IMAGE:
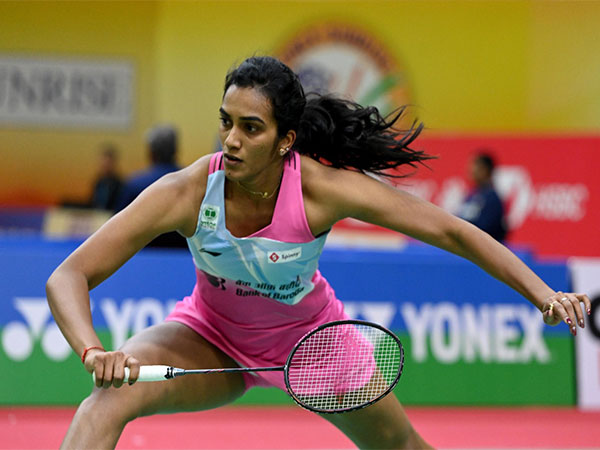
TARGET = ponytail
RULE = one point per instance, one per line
(346, 135)
(331, 130)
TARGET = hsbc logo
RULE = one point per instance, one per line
(554, 202)
(285, 256)
(523, 199)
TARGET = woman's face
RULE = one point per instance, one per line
(248, 133)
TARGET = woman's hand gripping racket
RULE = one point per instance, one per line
(337, 367)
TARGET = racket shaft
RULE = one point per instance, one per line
(233, 370)
(162, 373)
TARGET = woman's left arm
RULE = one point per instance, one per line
(351, 194)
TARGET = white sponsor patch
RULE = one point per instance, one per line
(209, 216)
(285, 256)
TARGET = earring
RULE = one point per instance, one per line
(283, 151)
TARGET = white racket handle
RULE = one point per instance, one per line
(147, 373)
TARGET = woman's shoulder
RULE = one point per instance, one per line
(199, 168)
(314, 171)
(185, 190)
(320, 177)
(190, 177)
(185, 186)
(326, 192)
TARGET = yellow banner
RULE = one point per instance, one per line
(466, 67)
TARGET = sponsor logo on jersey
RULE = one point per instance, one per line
(285, 256)
(209, 216)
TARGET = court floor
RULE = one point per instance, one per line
(290, 427)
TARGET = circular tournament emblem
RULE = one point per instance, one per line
(347, 61)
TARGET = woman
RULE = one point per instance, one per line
(256, 217)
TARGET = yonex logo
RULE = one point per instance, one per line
(19, 338)
(285, 256)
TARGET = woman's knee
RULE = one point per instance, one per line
(107, 406)
(382, 425)
(174, 344)
(402, 435)
(380, 435)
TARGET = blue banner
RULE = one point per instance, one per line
(448, 312)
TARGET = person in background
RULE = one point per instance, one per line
(483, 206)
(161, 141)
(108, 183)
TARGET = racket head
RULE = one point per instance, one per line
(343, 366)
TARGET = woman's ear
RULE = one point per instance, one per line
(286, 143)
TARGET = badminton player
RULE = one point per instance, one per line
(256, 217)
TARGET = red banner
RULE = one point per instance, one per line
(549, 185)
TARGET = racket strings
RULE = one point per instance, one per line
(344, 366)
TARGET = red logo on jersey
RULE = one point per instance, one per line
(274, 257)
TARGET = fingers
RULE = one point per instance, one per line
(566, 307)
(98, 373)
(134, 369)
(108, 373)
(550, 311)
(548, 314)
(109, 369)
(583, 298)
(118, 368)
(573, 308)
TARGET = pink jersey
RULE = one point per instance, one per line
(256, 296)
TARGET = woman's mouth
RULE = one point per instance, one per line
(231, 160)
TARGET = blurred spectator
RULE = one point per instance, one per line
(161, 142)
(108, 182)
(483, 206)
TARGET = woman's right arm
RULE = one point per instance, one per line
(169, 204)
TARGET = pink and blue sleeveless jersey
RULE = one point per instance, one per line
(256, 296)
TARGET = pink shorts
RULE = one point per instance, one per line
(250, 347)
(184, 312)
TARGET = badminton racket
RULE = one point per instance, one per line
(337, 367)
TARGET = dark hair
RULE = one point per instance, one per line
(332, 130)
(162, 142)
(109, 150)
(486, 160)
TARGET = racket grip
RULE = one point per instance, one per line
(150, 373)
(147, 373)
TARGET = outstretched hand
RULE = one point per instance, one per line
(109, 367)
(566, 307)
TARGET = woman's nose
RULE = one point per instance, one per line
(232, 140)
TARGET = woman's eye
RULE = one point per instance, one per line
(224, 121)
(251, 128)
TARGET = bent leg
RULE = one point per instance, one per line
(383, 425)
(101, 417)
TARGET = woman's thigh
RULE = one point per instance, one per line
(175, 344)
